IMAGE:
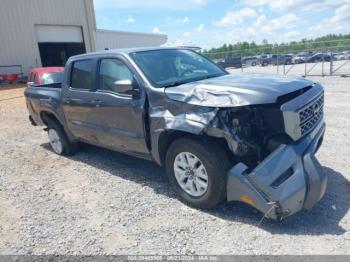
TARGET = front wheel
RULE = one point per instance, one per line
(197, 172)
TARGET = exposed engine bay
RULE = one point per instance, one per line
(250, 131)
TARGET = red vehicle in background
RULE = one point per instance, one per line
(45, 75)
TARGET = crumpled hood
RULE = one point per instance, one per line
(238, 89)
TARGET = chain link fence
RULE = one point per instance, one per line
(326, 58)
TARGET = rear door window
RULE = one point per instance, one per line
(81, 77)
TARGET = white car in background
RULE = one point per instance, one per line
(343, 56)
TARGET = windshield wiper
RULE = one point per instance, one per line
(211, 76)
(177, 83)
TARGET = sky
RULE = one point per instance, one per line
(211, 23)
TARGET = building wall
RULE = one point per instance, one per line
(120, 39)
(18, 38)
(116, 39)
(18, 42)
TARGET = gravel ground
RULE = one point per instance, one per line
(102, 202)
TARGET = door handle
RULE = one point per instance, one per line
(69, 100)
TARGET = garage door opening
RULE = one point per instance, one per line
(59, 42)
(57, 54)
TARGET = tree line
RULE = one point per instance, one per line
(327, 43)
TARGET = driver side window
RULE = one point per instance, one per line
(188, 69)
(112, 70)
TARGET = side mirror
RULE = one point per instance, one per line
(126, 87)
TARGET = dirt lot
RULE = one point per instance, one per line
(100, 202)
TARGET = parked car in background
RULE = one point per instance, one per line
(288, 59)
(230, 62)
(319, 57)
(219, 136)
(342, 55)
(250, 61)
(281, 59)
(338, 56)
(264, 60)
(301, 57)
(45, 75)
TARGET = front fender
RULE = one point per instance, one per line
(191, 120)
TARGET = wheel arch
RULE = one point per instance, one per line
(48, 116)
(167, 137)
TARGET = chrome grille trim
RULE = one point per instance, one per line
(299, 113)
(310, 115)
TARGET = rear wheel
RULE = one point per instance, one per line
(55, 141)
(197, 172)
(59, 141)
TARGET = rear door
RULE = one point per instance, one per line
(118, 118)
(77, 95)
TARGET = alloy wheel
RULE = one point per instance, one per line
(190, 174)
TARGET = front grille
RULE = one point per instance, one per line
(311, 114)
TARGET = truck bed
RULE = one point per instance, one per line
(53, 85)
(43, 98)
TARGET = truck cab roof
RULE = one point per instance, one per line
(124, 51)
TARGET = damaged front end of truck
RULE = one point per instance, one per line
(276, 169)
(273, 144)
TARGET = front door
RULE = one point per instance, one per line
(118, 118)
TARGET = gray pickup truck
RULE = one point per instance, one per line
(220, 136)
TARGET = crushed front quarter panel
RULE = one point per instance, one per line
(192, 120)
(169, 115)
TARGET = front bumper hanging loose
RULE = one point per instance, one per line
(287, 181)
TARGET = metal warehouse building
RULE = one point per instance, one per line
(36, 33)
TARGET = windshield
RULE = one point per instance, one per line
(171, 67)
(51, 78)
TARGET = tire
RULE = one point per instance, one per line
(215, 163)
(59, 141)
